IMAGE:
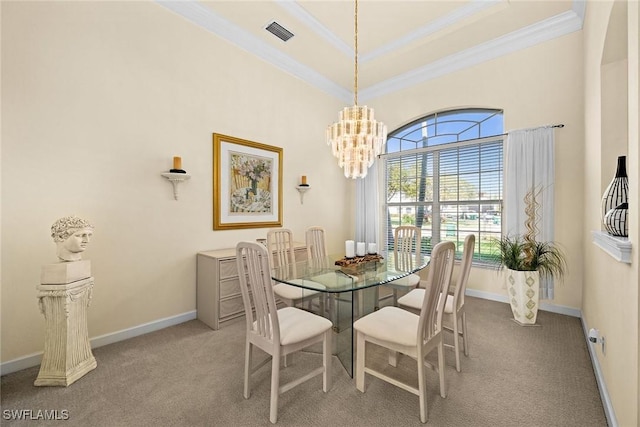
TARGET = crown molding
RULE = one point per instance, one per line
(459, 14)
(579, 7)
(432, 27)
(208, 20)
(306, 18)
(548, 29)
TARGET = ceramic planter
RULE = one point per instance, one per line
(522, 287)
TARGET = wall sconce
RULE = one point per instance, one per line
(176, 175)
(302, 188)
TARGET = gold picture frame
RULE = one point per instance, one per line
(247, 184)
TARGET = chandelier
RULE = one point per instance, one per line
(356, 138)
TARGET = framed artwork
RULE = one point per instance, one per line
(247, 184)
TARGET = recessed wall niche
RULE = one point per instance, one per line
(614, 110)
(614, 91)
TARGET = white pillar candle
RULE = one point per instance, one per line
(349, 248)
(372, 248)
(360, 249)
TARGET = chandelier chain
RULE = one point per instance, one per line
(356, 138)
(355, 72)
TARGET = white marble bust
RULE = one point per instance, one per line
(71, 235)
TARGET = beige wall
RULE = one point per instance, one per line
(96, 99)
(536, 86)
(611, 288)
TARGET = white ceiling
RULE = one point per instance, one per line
(400, 43)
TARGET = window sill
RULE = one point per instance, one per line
(618, 247)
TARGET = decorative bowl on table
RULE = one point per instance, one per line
(359, 264)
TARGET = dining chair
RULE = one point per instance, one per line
(454, 318)
(317, 256)
(277, 332)
(406, 254)
(404, 332)
(316, 243)
(282, 258)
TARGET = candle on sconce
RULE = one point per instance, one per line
(177, 165)
(303, 181)
(349, 249)
(360, 249)
(373, 248)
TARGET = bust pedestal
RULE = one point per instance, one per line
(67, 352)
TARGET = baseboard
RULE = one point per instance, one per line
(36, 358)
(545, 306)
(602, 386)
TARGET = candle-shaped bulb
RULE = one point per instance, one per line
(304, 180)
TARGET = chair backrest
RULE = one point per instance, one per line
(465, 267)
(280, 251)
(440, 269)
(316, 244)
(406, 247)
(255, 284)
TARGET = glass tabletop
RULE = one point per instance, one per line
(352, 275)
(350, 290)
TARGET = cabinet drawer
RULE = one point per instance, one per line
(231, 306)
(300, 254)
(218, 296)
(230, 287)
(228, 268)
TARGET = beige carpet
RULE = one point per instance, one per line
(190, 375)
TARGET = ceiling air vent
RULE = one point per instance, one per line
(279, 31)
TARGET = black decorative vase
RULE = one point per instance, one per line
(616, 221)
(617, 192)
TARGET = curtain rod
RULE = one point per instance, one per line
(559, 125)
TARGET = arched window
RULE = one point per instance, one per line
(443, 173)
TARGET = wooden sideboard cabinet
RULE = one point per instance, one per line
(218, 296)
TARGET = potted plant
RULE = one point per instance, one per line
(525, 260)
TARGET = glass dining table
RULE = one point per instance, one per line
(346, 292)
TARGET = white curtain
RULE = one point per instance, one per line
(368, 207)
(529, 164)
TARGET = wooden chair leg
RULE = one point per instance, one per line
(275, 386)
(248, 351)
(360, 356)
(322, 304)
(443, 391)
(456, 340)
(465, 342)
(422, 390)
(393, 358)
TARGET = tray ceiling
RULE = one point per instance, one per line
(400, 43)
